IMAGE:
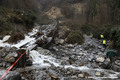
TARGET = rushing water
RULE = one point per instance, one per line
(49, 61)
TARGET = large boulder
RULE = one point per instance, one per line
(6, 38)
(100, 59)
(11, 57)
(28, 62)
(98, 73)
(106, 64)
(116, 66)
(81, 75)
(43, 51)
(59, 41)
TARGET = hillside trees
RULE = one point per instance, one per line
(114, 7)
(91, 10)
(67, 11)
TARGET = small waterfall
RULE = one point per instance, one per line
(47, 61)
(42, 60)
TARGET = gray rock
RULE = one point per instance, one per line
(81, 75)
(93, 52)
(8, 65)
(66, 62)
(10, 59)
(119, 76)
(13, 54)
(59, 41)
(3, 55)
(94, 65)
(74, 77)
(23, 78)
(1, 65)
(100, 59)
(5, 38)
(98, 73)
(102, 49)
(91, 58)
(117, 62)
(11, 75)
(116, 68)
(43, 51)
(28, 62)
(99, 47)
(70, 46)
(106, 65)
(68, 72)
(7, 49)
(13, 48)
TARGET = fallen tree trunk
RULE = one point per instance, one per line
(53, 36)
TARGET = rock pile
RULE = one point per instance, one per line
(116, 65)
(12, 75)
(7, 56)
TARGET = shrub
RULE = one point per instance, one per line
(16, 37)
(86, 28)
(90, 28)
(16, 19)
(97, 30)
(75, 37)
(29, 19)
(115, 36)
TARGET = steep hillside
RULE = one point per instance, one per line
(54, 12)
(15, 21)
(21, 4)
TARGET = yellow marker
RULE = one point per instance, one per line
(104, 41)
(102, 36)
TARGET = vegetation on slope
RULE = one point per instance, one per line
(15, 21)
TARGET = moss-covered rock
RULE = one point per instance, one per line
(75, 37)
(16, 37)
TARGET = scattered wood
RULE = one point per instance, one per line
(53, 77)
(53, 36)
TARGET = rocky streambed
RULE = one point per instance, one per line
(70, 62)
(62, 62)
(67, 62)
